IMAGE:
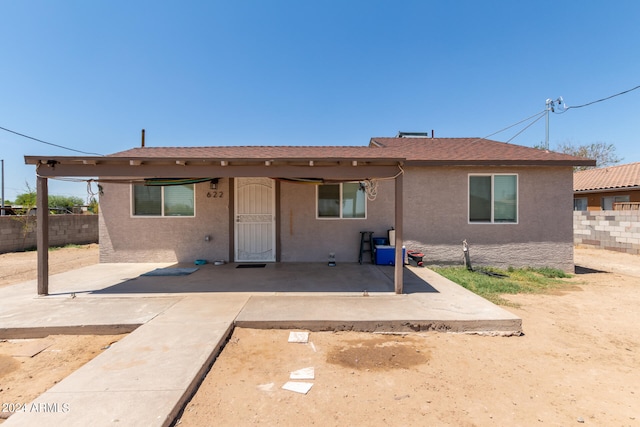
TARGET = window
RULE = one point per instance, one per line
(493, 198)
(176, 200)
(346, 200)
(580, 204)
(608, 202)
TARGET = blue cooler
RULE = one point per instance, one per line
(386, 255)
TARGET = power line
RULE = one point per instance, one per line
(603, 99)
(515, 124)
(525, 128)
(49, 143)
(537, 115)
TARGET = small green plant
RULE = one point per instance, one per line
(69, 246)
(27, 217)
(552, 273)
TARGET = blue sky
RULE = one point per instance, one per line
(90, 75)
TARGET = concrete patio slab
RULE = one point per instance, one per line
(39, 317)
(298, 278)
(447, 307)
(145, 378)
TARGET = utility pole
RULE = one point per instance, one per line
(2, 206)
(550, 103)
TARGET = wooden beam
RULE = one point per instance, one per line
(207, 171)
(399, 259)
(42, 235)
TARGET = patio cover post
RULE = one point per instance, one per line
(399, 259)
(42, 235)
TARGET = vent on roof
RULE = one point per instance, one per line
(414, 134)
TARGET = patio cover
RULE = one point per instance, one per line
(291, 162)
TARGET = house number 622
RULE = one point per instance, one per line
(215, 194)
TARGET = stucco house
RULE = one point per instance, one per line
(610, 188)
(512, 204)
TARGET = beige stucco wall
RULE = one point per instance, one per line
(435, 222)
(124, 238)
(436, 218)
(302, 237)
(305, 238)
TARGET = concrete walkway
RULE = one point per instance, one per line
(145, 378)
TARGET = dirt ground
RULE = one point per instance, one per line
(576, 364)
(29, 367)
(16, 267)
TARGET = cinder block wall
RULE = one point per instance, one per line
(611, 230)
(18, 233)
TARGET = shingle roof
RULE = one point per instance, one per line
(417, 150)
(473, 150)
(623, 176)
(255, 152)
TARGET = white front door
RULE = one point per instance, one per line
(255, 231)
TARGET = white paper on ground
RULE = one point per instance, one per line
(302, 337)
(298, 387)
(303, 374)
(266, 387)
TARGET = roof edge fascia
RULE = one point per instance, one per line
(608, 190)
(35, 160)
(553, 163)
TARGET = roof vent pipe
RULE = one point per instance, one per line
(432, 134)
(142, 138)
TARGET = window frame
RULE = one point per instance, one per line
(614, 200)
(162, 203)
(581, 199)
(340, 203)
(493, 221)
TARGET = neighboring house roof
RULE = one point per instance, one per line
(609, 178)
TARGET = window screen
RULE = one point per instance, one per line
(147, 201)
(493, 198)
(176, 200)
(505, 198)
(353, 200)
(480, 198)
(329, 201)
(346, 200)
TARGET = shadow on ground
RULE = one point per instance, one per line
(278, 278)
(585, 270)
